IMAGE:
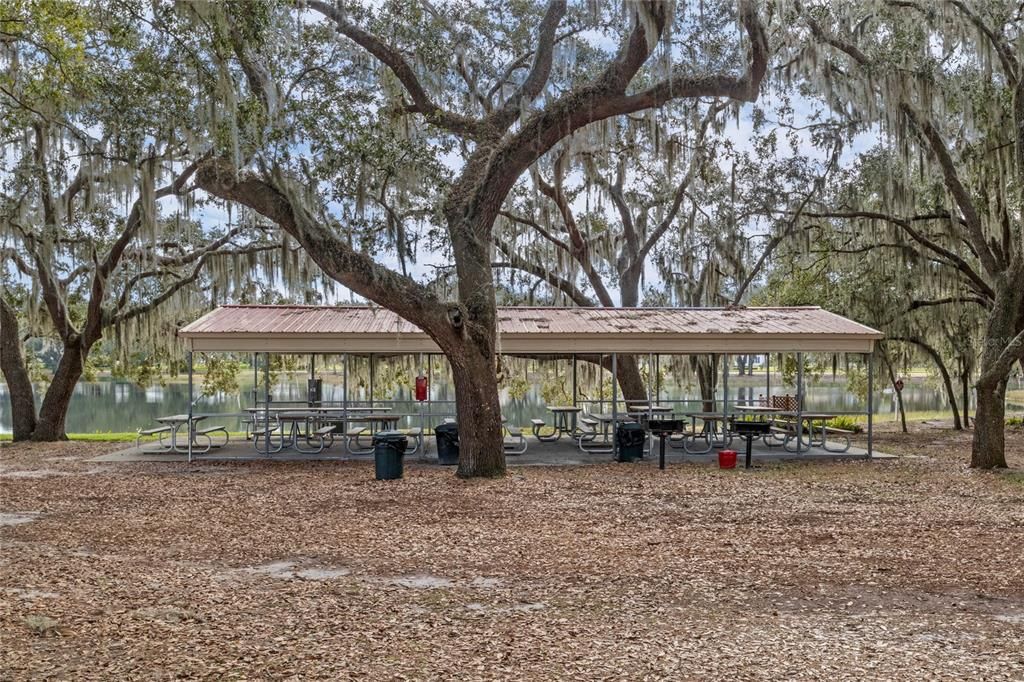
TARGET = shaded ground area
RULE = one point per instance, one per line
(851, 570)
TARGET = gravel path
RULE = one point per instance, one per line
(906, 570)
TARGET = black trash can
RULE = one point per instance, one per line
(630, 437)
(388, 451)
(447, 435)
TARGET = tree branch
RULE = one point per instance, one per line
(1003, 49)
(677, 200)
(276, 199)
(421, 101)
(514, 260)
(916, 304)
(606, 96)
(955, 260)
(1000, 367)
(580, 249)
(538, 228)
(540, 71)
(960, 194)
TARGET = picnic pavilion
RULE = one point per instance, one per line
(536, 332)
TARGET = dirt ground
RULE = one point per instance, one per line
(911, 569)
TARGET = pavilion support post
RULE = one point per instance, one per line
(869, 360)
(615, 398)
(371, 380)
(650, 399)
(423, 433)
(725, 388)
(266, 404)
(650, 382)
(188, 360)
(256, 379)
(657, 378)
(799, 400)
(312, 376)
(344, 383)
(574, 390)
(768, 378)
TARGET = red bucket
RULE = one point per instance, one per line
(727, 459)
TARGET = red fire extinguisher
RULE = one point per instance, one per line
(421, 388)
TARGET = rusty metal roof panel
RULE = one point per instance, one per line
(541, 329)
(284, 319)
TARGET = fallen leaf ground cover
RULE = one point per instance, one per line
(909, 569)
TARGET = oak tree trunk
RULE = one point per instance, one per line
(628, 375)
(899, 393)
(950, 392)
(989, 442)
(707, 378)
(1005, 323)
(965, 388)
(473, 356)
(19, 385)
(631, 383)
(481, 450)
(947, 382)
(54, 409)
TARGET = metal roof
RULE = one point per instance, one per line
(534, 330)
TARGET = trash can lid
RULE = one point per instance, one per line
(446, 427)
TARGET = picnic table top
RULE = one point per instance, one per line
(608, 417)
(300, 408)
(350, 416)
(179, 418)
(758, 408)
(565, 408)
(652, 408)
(707, 416)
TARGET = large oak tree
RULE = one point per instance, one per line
(501, 88)
(945, 83)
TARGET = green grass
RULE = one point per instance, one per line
(1015, 477)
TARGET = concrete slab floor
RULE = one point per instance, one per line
(560, 453)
